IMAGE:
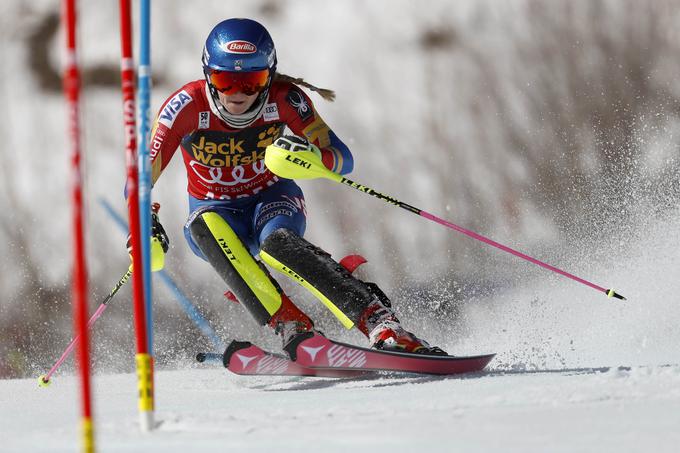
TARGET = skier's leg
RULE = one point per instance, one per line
(353, 301)
(313, 268)
(212, 236)
(384, 330)
(281, 206)
(280, 221)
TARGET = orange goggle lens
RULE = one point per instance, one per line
(248, 83)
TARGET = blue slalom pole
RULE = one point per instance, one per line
(192, 312)
(144, 165)
(189, 308)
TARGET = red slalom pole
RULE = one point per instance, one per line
(142, 358)
(79, 288)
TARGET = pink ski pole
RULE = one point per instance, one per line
(477, 236)
(44, 380)
(283, 161)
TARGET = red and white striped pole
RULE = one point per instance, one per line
(143, 358)
(72, 94)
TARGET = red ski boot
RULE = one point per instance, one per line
(384, 331)
(289, 321)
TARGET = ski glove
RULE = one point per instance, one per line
(159, 241)
(295, 143)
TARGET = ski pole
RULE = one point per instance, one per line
(209, 357)
(44, 380)
(188, 307)
(306, 165)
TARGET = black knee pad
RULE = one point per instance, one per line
(316, 266)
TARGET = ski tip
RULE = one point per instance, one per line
(611, 293)
(43, 381)
(200, 357)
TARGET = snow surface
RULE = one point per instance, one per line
(574, 372)
(616, 409)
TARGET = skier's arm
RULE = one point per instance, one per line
(159, 241)
(163, 143)
(160, 157)
(335, 155)
(168, 129)
(175, 119)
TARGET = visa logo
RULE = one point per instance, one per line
(173, 107)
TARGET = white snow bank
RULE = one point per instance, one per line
(579, 410)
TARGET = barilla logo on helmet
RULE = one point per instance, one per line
(240, 47)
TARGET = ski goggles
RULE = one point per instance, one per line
(248, 83)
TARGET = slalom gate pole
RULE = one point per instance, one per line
(188, 307)
(306, 165)
(79, 288)
(44, 380)
(192, 312)
(142, 358)
(143, 97)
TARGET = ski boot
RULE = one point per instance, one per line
(292, 324)
(384, 331)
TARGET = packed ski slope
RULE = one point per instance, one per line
(575, 372)
(574, 410)
(571, 375)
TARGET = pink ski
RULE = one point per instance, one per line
(247, 359)
(319, 353)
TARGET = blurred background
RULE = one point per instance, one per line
(551, 126)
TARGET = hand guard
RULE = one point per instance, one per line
(295, 143)
(159, 241)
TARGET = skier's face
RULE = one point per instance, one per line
(237, 103)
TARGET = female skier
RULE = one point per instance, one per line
(238, 208)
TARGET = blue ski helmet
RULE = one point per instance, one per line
(239, 45)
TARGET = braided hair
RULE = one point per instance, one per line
(327, 94)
